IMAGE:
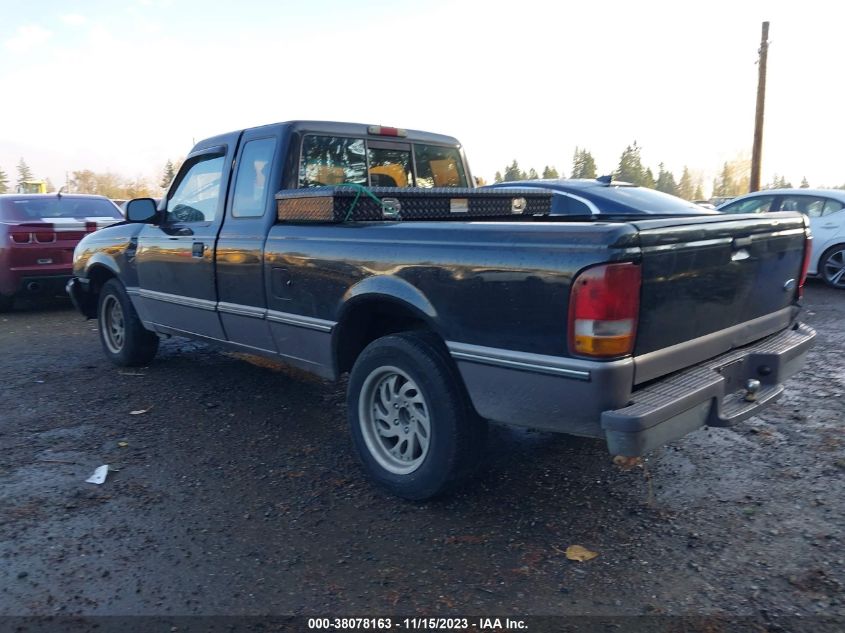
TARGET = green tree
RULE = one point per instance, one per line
(532, 174)
(698, 194)
(778, 182)
(24, 172)
(804, 183)
(666, 180)
(168, 175)
(4, 181)
(648, 179)
(498, 177)
(583, 164)
(686, 186)
(550, 172)
(513, 172)
(631, 166)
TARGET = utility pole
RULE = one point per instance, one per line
(757, 149)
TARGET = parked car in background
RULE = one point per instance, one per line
(826, 210)
(38, 233)
(591, 198)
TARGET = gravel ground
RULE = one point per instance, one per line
(237, 493)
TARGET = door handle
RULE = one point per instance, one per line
(198, 249)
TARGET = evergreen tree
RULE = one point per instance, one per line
(532, 174)
(583, 164)
(698, 194)
(24, 172)
(631, 166)
(666, 180)
(804, 183)
(513, 172)
(4, 181)
(498, 177)
(550, 172)
(648, 179)
(778, 182)
(685, 186)
(168, 175)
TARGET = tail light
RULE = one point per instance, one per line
(603, 309)
(20, 237)
(805, 265)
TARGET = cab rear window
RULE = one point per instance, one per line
(333, 160)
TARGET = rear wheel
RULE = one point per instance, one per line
(411, 423)
(832, 267)
(126, 342)
(6, 303)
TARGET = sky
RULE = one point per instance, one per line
(123, 86)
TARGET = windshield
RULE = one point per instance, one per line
(332, 160)
(34, 209)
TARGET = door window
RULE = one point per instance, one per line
(809, 205)
(251, 185)
(759, 204)
(197, 195)
(832, 206)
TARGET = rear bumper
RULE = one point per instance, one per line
(38, 285)
(711, 393)
(595, 399)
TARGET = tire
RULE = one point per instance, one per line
(832, 267)
(126, 342)
(405, 386)
(6, 303)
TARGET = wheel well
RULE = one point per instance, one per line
(99, 275)
(369, 320)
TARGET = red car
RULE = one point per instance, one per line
(38, 233)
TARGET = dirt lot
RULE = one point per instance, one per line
(237, 494)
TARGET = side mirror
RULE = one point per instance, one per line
(141, 210)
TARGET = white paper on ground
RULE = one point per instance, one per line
(99, 475)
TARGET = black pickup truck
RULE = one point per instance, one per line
(637, 330)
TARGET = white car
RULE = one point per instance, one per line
(826, 210)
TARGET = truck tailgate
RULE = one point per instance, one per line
(712, 284)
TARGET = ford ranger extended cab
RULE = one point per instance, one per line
(346, 248)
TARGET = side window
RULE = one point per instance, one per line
(832, 206)
(332, 160)
(809, 205)
(198, 193)
(760, 204)
(251, 185)
(439, 166)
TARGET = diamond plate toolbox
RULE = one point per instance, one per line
(346, 203)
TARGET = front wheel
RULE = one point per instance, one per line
(832, 267)
(411, 423)
(126, 342)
